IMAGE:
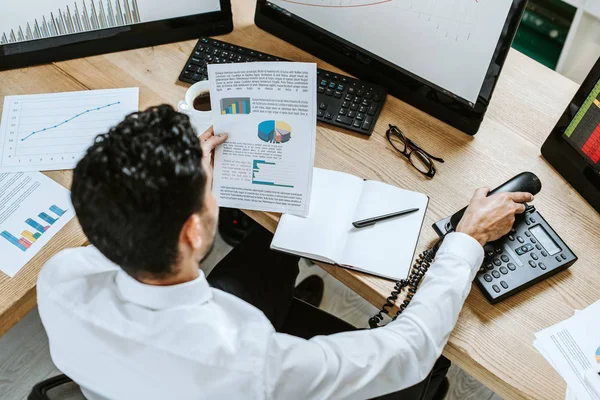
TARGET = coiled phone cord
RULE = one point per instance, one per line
(417, 273)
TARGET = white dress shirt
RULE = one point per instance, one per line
(120, 339)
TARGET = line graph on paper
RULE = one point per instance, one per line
(53, 131)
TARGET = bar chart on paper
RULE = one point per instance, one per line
(33, 209)
(272, 174)
(53, 131)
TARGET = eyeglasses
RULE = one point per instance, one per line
(419, 158)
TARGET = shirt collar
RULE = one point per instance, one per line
(163, 297)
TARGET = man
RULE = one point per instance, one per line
(133, 317)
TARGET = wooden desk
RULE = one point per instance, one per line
(492, 343)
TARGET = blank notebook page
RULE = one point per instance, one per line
(386, 248)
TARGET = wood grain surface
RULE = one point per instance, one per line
(492, 343)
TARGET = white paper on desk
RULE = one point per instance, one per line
(269, 112)
(47, 132)
(570, 346)
(33, 208)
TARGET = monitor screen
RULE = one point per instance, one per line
(31, 20)
(448, 44)
(583, 132)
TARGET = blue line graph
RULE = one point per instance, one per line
(69, 120)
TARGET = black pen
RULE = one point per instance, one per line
(372, 221)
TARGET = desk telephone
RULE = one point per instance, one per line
(530, 252)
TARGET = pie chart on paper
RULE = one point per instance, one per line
(272, 131)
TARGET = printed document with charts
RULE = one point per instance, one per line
(269, 111)
(385, 249)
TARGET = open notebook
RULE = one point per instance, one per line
(326, 234)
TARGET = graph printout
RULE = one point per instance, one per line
(53, 131)
(449, 43)
(33, 208)
(269, 111)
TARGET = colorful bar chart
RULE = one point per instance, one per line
(235, 106)
(28, 238)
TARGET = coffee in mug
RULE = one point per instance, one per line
(202, 101)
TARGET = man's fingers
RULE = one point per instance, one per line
(481, 193)
(519, 208)
(520, 197)
(207, 134)
(210, 144)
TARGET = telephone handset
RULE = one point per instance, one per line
(530, 252)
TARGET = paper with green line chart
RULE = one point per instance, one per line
(269, 112)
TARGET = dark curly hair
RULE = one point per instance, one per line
(136, 186)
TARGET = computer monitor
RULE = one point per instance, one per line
(573, 147)
(39, 31)
(442, 56)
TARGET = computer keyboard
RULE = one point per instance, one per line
(342, 101)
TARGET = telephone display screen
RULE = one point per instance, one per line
(583, 132)
(545, 240)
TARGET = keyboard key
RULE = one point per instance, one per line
(356, 99)
(337, 94)
(496, 274)
(321, 89)
(320, 113)
(331, 85)
(356, 124)
(352, 114)
(505, 258)
(366, 125)
(563, 256)
(343, 111)
(534, 256)
(360, 117)
(504, 284)
(537, 246)
(503, 270)
(188, 74)
(533, 240)
(329, 92)
(497, 262)
(499, 250)
(496, 288)
(362, 109)
(511, 238)
(511, 266)
(345, 104)
(348, 97)
(343, 120)
(489, 266)
(323, 106)
(527, 234)
(328, 115)
(344, 79)
(487, 278)
(197, 77)
(360, 92)
(232, 56)
(544, 254)
(354, 106)
(558, 259)
(377, 97)
(225, 54)
(368, 95)
(351, 90)
(340, 88)
(204, 40)
(216, 52)
(520, 239)
(372, 110)
(327, 74)
(519, 251)
(337, 78)
(324, 82)
(532, 263)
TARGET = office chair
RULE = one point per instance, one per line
(60, 387)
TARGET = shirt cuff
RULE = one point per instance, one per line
(464, 247)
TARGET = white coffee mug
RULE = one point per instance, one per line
(201, 120)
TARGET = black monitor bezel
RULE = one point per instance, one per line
(401, 83)
(60, 48)
(564, 157)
